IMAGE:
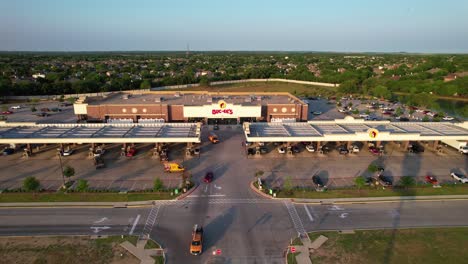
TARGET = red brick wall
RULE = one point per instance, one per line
(176, 112)
(132, 111)
(291, 111)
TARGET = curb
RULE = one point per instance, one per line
(260, 192)
(182, 196)
(389, 199)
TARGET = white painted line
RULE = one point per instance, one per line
(218, 187)
(101, 220)
(210, 195)
(134, 224)
(308, 213)
(206, 188)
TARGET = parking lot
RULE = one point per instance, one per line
(138, 173)
(56, 112)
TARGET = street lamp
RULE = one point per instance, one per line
(61, 165)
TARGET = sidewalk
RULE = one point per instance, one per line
(380, 199)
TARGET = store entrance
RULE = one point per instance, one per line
(222, 121)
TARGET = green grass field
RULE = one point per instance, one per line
(416, 246)
(458, 189)
(82, 197)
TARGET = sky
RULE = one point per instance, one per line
(425, 26)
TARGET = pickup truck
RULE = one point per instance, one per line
(196, 246)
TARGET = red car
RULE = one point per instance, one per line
(208, 177)
(431, 180)
(131, 152)
(7, 112)
(374, 150)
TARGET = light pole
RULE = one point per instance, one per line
(61, 165)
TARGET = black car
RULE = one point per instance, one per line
(216, 127)
(415, 148)
(324, 149)
(404, 119)
(343, 151)
(8, 151)
(317, 181)
(250, 151)
(385, 181)
(294, 149)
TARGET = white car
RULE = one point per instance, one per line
(310, 148)
(67, 152)
(16, 107)
(459, 177)
(448, 118)
(317, 113)
(354, 149)
(363, 115)
(463, 150)
(342, 110)
(281, 150)
(99, 152)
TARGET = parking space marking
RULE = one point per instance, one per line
(133, 186)
(134, 224)
(308, 213)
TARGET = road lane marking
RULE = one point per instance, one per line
(336, 208)
(101, 220)
(97, 229)
(218, 187)
(134, 224)
(206, 188)
(343, 215)
(308, 213)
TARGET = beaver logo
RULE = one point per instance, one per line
(373, 133)
(222, 104)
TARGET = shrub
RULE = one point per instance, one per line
(68, 171)
(158, 185)
(82, 185)
(372, 168)
(407, 181)
(31, 184)
(33, 109)
(360, 181)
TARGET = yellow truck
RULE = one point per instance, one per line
(196, 246)
(173, 167)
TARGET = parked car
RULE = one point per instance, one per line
(99, 152)
(385, 181)
(431, 180)
(16, 107)
(404, 119)
(459, 177)
(66, 152)
(281, 150)
(324, 149)
(372, 181)
(7, 112)
(448, 118)
(55, 109)
(355, 149)
(43, 114)
(374, 150)
(208, 177)
(263, 150)
(343, 151)
(216, 127)
(247, 144)
(295, 149)
(415, 148)
(196, 151)
(8, 151)
(99, 162)
(250, 151)
(317, 113)
(317, 181)
(310, 148)
(131, 152)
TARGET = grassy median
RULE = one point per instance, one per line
(422, 245)
(82, 197)
(455, 189)
(64, 249)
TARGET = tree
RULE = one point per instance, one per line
(33, 109)
(68, 171)
(425, 119)
(407, 181)
(158, 185)
(372, 168)
(204, 81)
(31, 184)
(382, 92)
(82, 185)
(145, 84)
(399, 111)
(360, 181)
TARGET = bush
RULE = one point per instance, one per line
(33, 109)
(372, 168)
(407, 181)
(158, 185)
(360, 181)
(259, 173)
(31, 184)
(82, 185)
(68, 171)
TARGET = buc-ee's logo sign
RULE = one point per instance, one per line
(373, 133)
(222, 109)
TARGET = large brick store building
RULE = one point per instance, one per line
(189, 106)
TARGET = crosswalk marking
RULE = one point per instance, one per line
(296, 219)
(308, 213)
(150, 221)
